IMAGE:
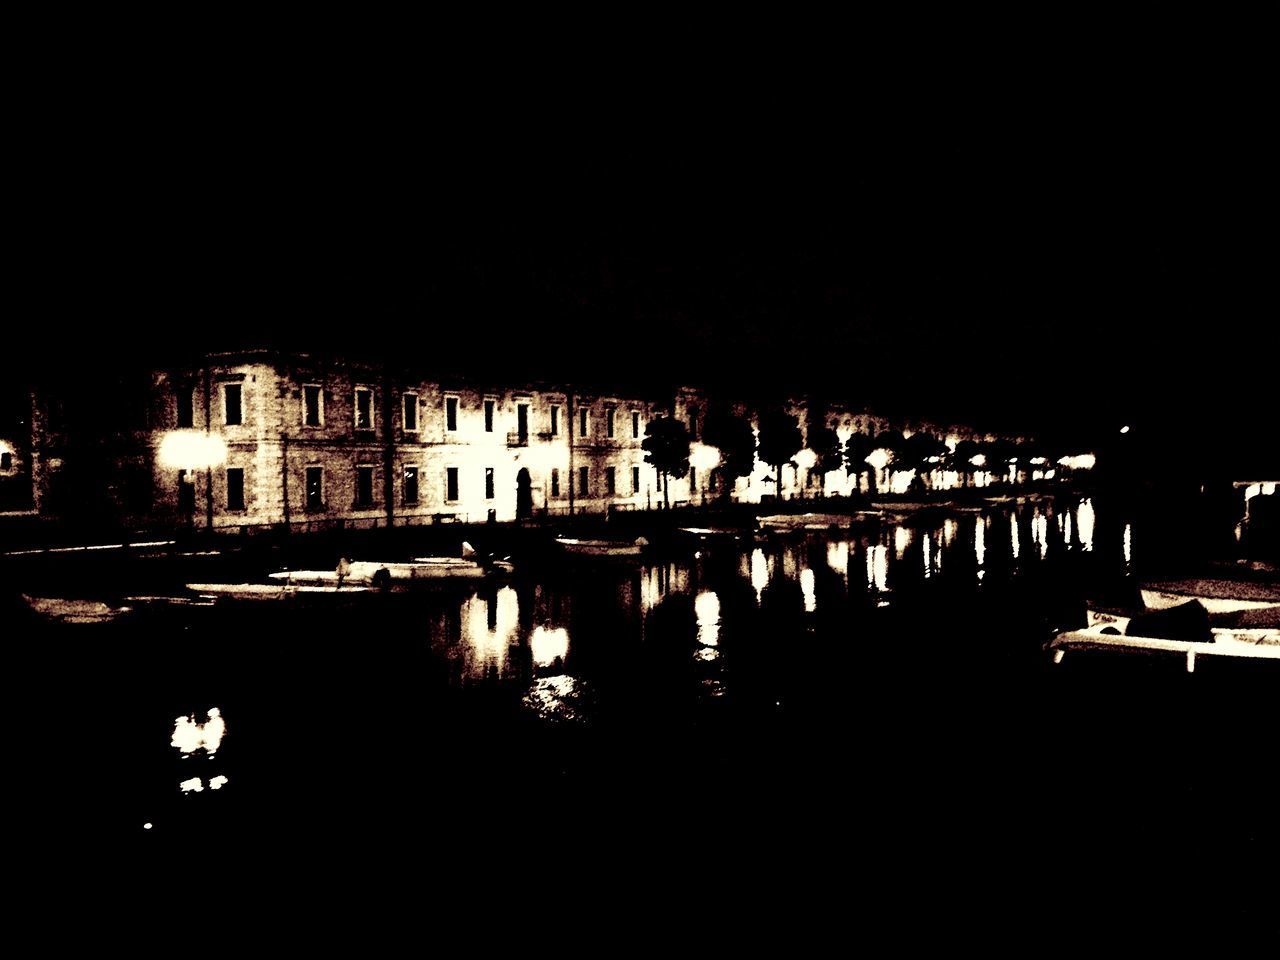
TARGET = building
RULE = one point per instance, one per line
(262, 439)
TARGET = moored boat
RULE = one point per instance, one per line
(603, 548)
(807, 521)
(67, 610)
(1239, 645)
(273, 591)
(1216, 595)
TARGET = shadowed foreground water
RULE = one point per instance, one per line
(878, 703)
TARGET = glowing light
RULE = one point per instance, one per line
(706, 607)
(548, 645)
(1039, 461)
(189, 736)
(901, 540)
(1128, 543)
(926, 553)
(949, 529)
(1013, 535)
(1066, 528)
(878, 568)
(979, 541)
(900, 482)
(1084, 524)
(1083, 461)
(838, 557)
(217, 783)
(555, 698)
(807, 588)
(1125, 428)
(194, 785)
(978, 460)
(1040, 533)
(759, 571)
(146, 826)
(191, 450)
(878, 458)
(703, 457)
(805, 459)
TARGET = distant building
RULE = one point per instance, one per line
(262, 438)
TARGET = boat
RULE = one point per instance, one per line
(373, 573)
(65, 610)
(603, 548)
(1110, 624)
(703, 533)
(273, 591)
(1216, 595)
(807, 521)
(1237, 645)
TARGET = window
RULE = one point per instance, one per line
(555, 482)
(451, 483)
(583, 477)
(409, 413)
(231, 405)
(410, 484)
(608, 422)
(488, 483)
(364, 486)
(451, 413)
(186, 493)
(488, 416)
(522, 420)
(693, 423)
(315, 488)
(610, 482)
(364, 408)
(312, 405)
(186, 408)
(235, 488)
(635, 424)
(555, 420)
(635, 479)
(582, 421)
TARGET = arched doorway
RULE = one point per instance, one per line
(524, 495)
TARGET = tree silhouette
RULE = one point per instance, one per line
(856, 450)
(780, 440)
(666, 447)
(736, 441)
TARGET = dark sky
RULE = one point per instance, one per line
(1060, 232)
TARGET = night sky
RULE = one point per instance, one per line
(1058, 237)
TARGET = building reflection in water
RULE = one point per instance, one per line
(807, 588)
(878, 568)
(549, 646)
(1128, 544)
(190, 737)
(1084, 524)
(980, 543)
(759, 572)
(1040, 532)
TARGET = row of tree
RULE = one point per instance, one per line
(667, 447)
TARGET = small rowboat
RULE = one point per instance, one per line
(603, 548)
(62, 610)
(273, 591)
(1217, 596)
(368, 572)
(806, 521)
(1233, 647)
(1100, 620)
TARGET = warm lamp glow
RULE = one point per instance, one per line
(703, 457)
(191, 450)
(978, 460)
(878, 458)
(805, 459)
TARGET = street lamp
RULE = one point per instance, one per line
(192, 450)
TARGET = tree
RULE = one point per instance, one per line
(780, 440)
(856, 450)
(961, 459)
(825, 443)
(918, 450)
(736, 441)
(666, 447)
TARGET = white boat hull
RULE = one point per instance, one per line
(1163, 600)
(600, 548)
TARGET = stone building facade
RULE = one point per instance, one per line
(260, 439)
